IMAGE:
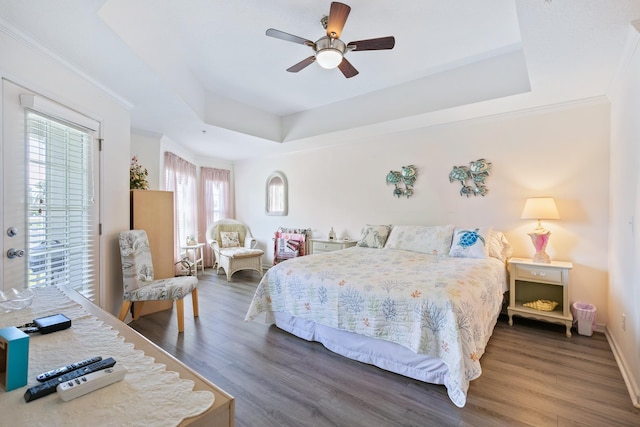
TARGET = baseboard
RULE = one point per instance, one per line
(627, 374)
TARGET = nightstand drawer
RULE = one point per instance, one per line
(534, 273)
(320, 246)
(326, 246)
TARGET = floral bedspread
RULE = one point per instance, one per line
(436, 305)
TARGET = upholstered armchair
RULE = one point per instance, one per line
(234, 247)
(139, 285)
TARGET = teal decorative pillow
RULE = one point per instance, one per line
(471, 242)
(374, 236)
(432, 240)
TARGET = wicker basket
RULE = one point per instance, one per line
(542, 305)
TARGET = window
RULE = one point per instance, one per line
(62, 213)
(181, 179)
(216, 193)
(215, 202)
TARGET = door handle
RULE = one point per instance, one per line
(13, 253)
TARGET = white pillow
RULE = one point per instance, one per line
(471, 242)
(499, 246)
(434, 240)
(374, 236)
(229, 239)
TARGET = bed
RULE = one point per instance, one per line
(413, 300)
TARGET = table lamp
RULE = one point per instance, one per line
(540, 208)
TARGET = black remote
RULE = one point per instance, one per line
(55, 373)
(46, 388)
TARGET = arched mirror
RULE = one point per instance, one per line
(277, 195)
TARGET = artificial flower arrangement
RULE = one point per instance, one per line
(138, 176)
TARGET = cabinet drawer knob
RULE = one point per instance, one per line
(536, 273)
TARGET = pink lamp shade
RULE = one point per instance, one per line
(540, 208)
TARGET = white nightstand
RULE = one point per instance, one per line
(531, 281)
(321, 245)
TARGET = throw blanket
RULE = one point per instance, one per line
(435, 305)
(288, 245)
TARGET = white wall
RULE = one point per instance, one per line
(561, 152)
(624, 294)
(146, 147)
(35, 70)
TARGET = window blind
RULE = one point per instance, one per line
(62, 214)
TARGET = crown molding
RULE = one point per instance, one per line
(32, 44)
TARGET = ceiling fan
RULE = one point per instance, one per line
(329, 50)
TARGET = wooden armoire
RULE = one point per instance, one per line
(152, 211)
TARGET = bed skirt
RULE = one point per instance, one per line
(383, 354)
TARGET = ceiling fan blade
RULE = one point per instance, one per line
(302, 64)
(271, 32)
(337, 17)
(347, 69)
(373, 44)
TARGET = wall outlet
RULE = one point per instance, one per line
(624, 322)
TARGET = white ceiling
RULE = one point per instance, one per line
(206, 65)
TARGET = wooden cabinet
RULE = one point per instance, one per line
(152, 211)
(531, 281)
(320, 245)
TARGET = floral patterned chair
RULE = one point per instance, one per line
(234, 247)
(139, 286)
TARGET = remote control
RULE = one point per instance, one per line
(86, 384)
(55, 373)
(50, 386)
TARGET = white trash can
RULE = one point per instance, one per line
(584, 315)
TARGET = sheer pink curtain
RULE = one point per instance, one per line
(215, 204)
(180, 177)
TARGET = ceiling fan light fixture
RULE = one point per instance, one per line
(329, 58)
(329, 51)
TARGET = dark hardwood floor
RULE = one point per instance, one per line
(533, 375)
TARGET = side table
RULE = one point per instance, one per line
(198, 256)
(530, 281)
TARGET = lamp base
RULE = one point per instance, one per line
(541, 258)
(540, 241)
